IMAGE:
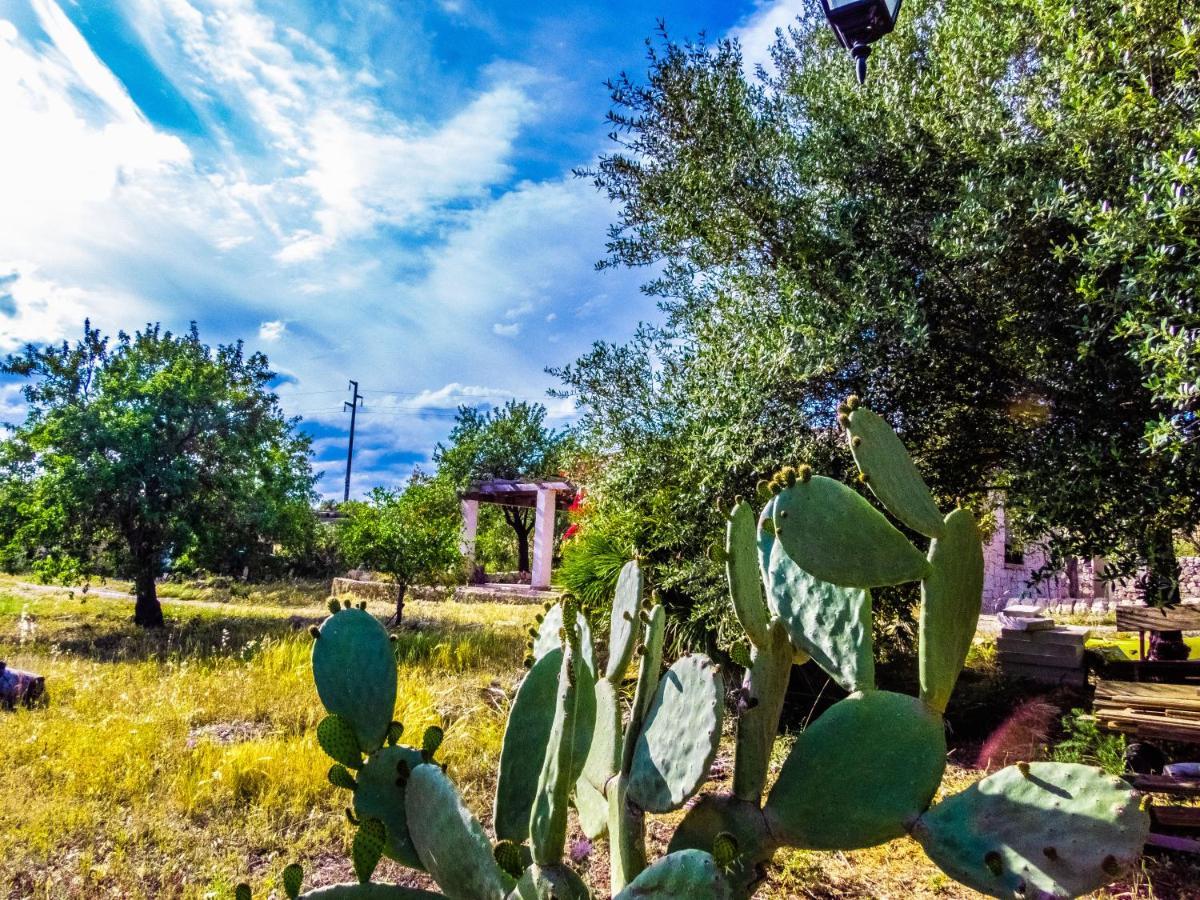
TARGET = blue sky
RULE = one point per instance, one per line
(370, 190)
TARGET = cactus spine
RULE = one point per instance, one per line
(800, 575)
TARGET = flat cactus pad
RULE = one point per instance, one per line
(685, 874)
(1037, 830)
(380, 795)
(530, 719)
(355, 671)
(890, 473)
(829, 623)
(717, 814)
(745, 579)
(451, 843)
(835, 535)
(679, 736)
(860, 775)
(950, 603)
(624, 625)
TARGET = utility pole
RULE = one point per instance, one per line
(354, 404)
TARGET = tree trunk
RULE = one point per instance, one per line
(147, 611)
(521, 521)
(401, 590)
(1160, 586)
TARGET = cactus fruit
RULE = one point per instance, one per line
(337, 738)
(509, 858)
(1060, 831)
(831, 624)
(679, 737)
(891, 475)
(835, 535)
(530, 719)
(687, 873)
(431, 741)
(623, 627)
(450, 842)
(242, 892)
(950, 606)
(742, 570)
(380, 795)
(860, 775)
(355, 671)
(367, 848)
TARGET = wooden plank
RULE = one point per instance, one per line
(1149, 618)
(1172, 842)
(1183, 817)
(1137, 670)
(1149, 690)
(1165, 784)
(1162, 732)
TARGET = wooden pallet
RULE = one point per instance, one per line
(1162, 711)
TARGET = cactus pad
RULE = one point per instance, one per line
(242, 892)
(624, 627)
(604, 755)
(525, 736)
(1061, 830)
(355, 671)
(890, 473)
(860, 775)
(337, 738)
(380, 795)
(563, 760)
(831, 624)
(592, 807)
(718, 814)
(339, 776)
(679, 736)
(835, 535)
(687, 873)
(763, 689)
(369, 892)
(742, 571)
(293, 880)
(549, 883)
(449, 840)
(950, 603)
(549, 635)
(367, 848)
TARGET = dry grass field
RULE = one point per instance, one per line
(178, 763)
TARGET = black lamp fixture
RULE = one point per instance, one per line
(859, 23)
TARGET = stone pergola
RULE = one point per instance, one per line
(545, 498)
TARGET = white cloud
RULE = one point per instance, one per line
(516, 312)
(510, 330)
(272, 331)
(550, 317)
(757, 32)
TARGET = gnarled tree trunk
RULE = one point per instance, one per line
(1160, 585)
(521, 521)
(147, 611)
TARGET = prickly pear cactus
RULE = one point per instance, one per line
(865, 772)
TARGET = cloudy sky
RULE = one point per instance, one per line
(370, 190)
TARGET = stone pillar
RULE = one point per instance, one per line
(543, 539)
(470, 515)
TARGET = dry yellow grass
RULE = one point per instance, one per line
(175, 764)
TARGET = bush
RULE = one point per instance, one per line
(1084, 742)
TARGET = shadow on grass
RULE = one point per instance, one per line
(191, 637)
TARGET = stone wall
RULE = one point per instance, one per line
(1012, 582)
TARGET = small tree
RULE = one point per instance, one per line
(511, 442)
(406, 535)
(137, 451)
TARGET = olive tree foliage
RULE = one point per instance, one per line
(409, 535)
(137, 452)
(509, 442)
(954, 241)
